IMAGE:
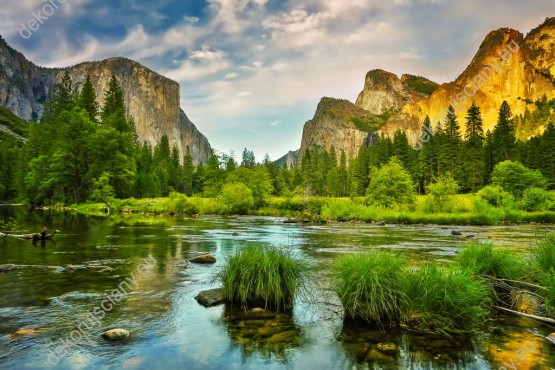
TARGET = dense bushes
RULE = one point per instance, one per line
(236, 198)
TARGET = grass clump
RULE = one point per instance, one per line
(543, 262)
(264, 276)
(481, 259)
(368, 285)
(442, 301)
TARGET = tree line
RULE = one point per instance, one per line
(80, 147)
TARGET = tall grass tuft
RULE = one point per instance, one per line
(482, 259)
(443, 301)
(263, 276)
(543, 255)
(368, 285)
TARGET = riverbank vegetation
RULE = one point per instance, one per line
(380, 287)
(82, 153)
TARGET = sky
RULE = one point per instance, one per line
(253, 71)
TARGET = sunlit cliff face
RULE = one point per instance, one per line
(507, 66)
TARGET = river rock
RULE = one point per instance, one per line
(258, 310)
(387, 348)
(102, 269)
(380, 223)
(375, 355)
(551, 338)
(23, 332)
(115, 334)
(283, 337)
(203, 258)
(236, 233)
(211, 298)
(7, 268)
(456, 233)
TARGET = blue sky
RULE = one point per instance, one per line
(252, 71)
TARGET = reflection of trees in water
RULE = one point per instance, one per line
(370, 344)
(268, 334)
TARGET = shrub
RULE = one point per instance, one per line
(179, 203)
(263, 276)
(441, 195)
(236, 198)
(515, 178)
(368, 285)
(497, 197)
(443, 301)
(391, 186)
(536, 199)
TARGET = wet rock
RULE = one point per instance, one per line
(115, 334)
(24, 332)
(456, 233)
(380, 223)
(7, 268)
(375, 355)
(236, 233)
(387, 348)
(283, 337)
(551, 338)
(470, 236)
(101, 269)
(203, 258)
(359, 350)
(268, 331)
(258, 310)
(211, 298)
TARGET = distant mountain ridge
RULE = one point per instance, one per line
(402, 103)
(151, 99)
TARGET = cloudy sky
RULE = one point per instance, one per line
(253, 71)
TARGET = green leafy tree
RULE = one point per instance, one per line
(441, 194)
(391, 186)
(103, 191)
(236, 198)
(515, 178)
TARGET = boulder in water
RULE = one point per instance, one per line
(203, 258)
(115, 334)
(211, 298)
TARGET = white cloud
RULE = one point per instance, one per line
(200, 64)
(275, 123)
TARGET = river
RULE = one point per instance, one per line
(55, 287)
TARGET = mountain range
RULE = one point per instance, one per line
(507, 66)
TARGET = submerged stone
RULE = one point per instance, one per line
(387, 348)
(456, 233)
(211, 298)
(375, 355)
(7, 268)
(203, 258)
(283, 337)
(115, 334)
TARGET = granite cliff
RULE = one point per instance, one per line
(151, 99)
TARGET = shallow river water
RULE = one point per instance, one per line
(55, 287)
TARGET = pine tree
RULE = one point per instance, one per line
(489, 154)
(452, 146)
(547, 153)
(188, 173)
(473, 159)
(87, 100)
(113, 112)
(504, 135)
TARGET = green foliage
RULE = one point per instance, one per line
(536, 199)
(264, 276)
(236, 198)
(442, 301)
(257, 180)
(543, 255)
(13, 122)
(515, 178)
(504, 138)
(441, 194)
(102, 190)
(391, 186)
(180, 204)
(420, 84)
(369, 285)
(497, 197)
